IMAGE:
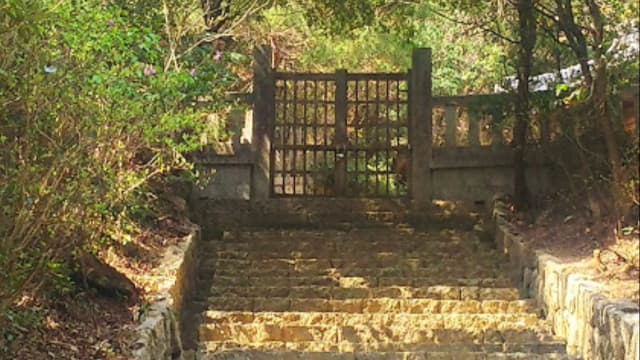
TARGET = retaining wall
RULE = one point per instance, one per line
(595, 327)
(159, 331)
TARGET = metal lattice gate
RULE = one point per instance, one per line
(340, 135)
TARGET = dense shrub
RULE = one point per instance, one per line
(96, 99)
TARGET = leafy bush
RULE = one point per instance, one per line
(95, 100)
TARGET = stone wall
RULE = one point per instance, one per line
(159, 331)
(594, 326)
(225, 168)
(481, 182)
(214, 215)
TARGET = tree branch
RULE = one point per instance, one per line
(478, 25)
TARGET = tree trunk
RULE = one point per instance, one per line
(599, 91)
(215, 14)
(527, 32)
(577, 41)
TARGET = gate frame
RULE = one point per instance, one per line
(420, 124)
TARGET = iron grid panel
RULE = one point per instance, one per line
(316, 154)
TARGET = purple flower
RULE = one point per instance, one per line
(193, 72)
(149, 70)
(111, 23)
(218, 56)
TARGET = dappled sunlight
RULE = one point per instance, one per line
(299, 292)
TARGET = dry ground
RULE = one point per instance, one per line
(86, 325)
(601, 248)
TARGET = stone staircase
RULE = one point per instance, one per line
(370, 293)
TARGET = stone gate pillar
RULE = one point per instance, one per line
(420, 134)
(263, 118)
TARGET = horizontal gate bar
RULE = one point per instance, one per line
(337, 148)
(350, 76)
(314, 102)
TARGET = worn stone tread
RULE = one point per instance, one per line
(375, 260)
(319, 269)
(513, 334)
(419, 355)
(390, 292)
(350, 347)
(348, 318)
(358, 281)
(373, 305)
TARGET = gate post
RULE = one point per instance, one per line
(420, 128)
(263, 120)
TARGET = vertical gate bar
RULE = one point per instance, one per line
(398, 124)
(387, 120)
(388, 139)
(356, 121)
(272, 148)
(325, 128)
(294, 126)
(284, 128)
(341, 131)
(315, 112)
(326, 112)
(377, 134)
(315, 136)
(377, 172)
(284, 172)
(366, 133)
(326, 176)
(451, 119)
(304, 131)
(396, 174)
(401, 122)
(356, 127)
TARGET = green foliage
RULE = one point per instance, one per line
(97, 98)
(385, 42)
(93, 104)
(340, 16)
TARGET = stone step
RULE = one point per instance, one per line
(531, 349)
(376, 260)
(401, 232)
(420, 355)
(360, 281)
(372, 305)
(298, 267)
(349, 240)
(408, 322)
(353, 244)
(366, 335)
(393, 292)
(374, 257)
(476, 272)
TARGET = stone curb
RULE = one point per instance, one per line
(594, 326)
(158, 334)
